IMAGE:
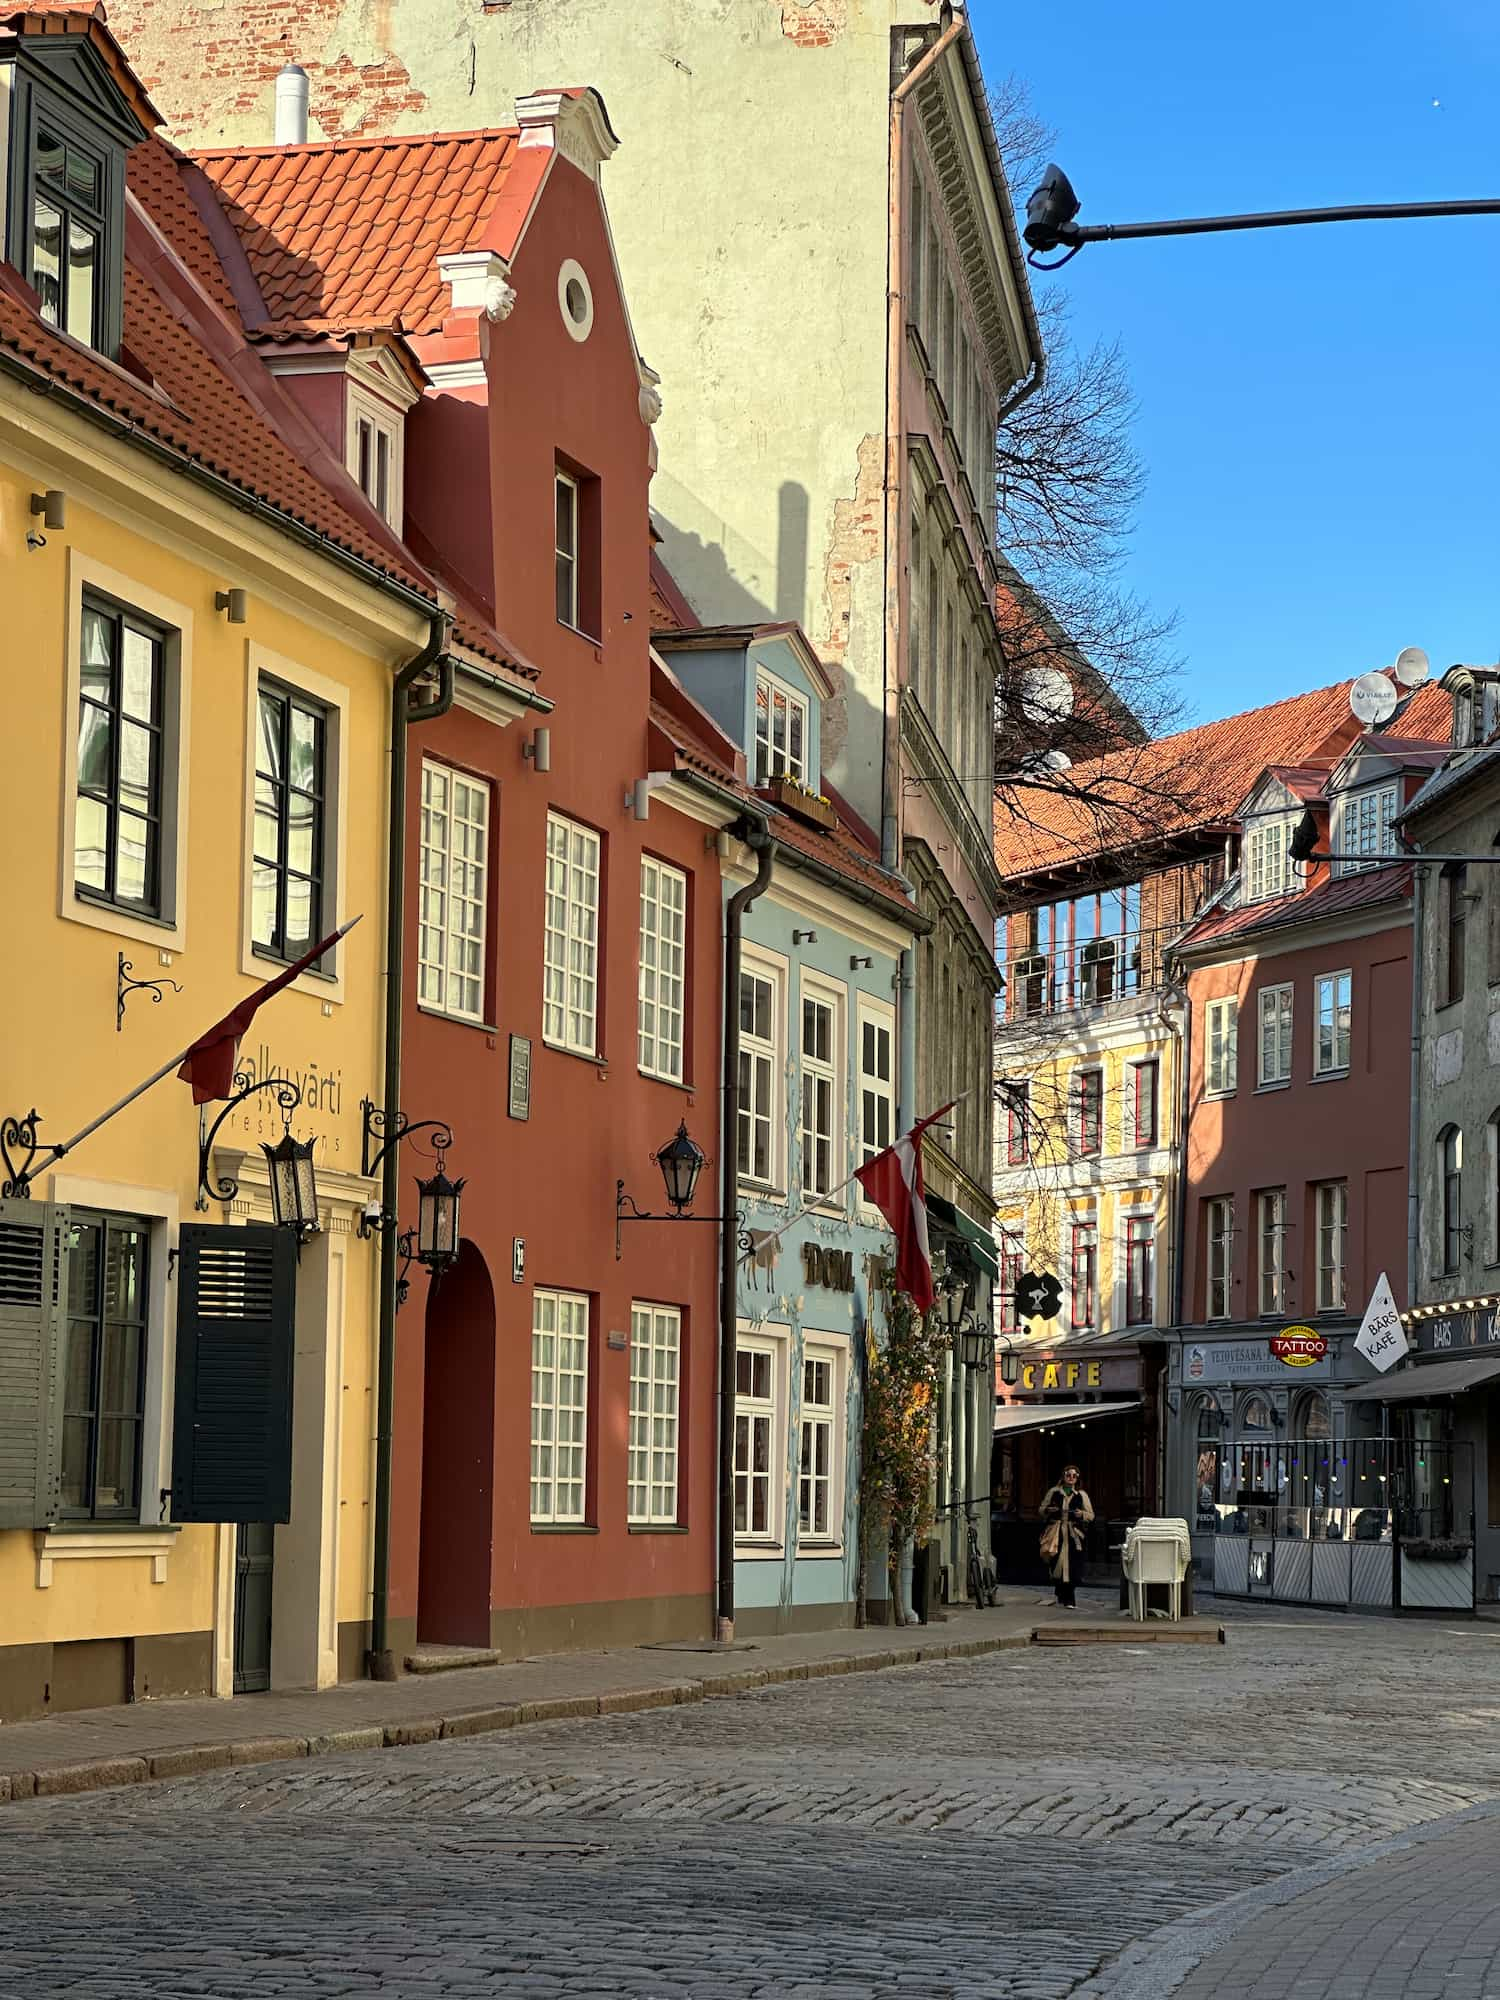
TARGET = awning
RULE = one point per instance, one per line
(980, 1242)
(1420, 1385)
(1013, 1417)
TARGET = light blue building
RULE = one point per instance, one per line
(819, 987)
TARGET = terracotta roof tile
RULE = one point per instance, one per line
(1179, 784)
(353, 228)
(1334, 896)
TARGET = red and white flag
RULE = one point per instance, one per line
(210, 1063)
(893, 1182)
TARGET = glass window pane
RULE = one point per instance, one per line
(125, 1274)
(263, 905)
(268, 752)
(135, 858)
(78, 1367)
(138, 656)
(304, 750)
(46, 260)
(299, 916)
(90, 844)
(83, 259)
(95, 748)
(82, 176)
(135, 766)
(115, 1490)
(120, 1371)
(51, 154)
(78, 1435)
(97, 652)
(301, 827)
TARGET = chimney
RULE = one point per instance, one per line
(291, 106)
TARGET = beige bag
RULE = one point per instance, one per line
(1051, 1541)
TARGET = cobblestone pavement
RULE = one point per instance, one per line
(1026, 1824)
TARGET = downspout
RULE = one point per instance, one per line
(895, 349)
(381, 1664)
(1413, 1161)
(757, 838)
(1179, 1224)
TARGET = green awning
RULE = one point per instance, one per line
(980, 1243)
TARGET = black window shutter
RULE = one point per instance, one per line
(33, 1239)
(232, 1435)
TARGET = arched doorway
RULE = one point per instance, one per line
(458, 1456)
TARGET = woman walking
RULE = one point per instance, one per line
(1066, 1512)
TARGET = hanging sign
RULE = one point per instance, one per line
(1381, 1338)
(1299, 1346)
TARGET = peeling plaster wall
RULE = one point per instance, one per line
(749, 206)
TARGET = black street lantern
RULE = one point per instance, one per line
(681, 1161)
(978, 1348)
(1010, 1367)
(437, 1222)
(294, 1186)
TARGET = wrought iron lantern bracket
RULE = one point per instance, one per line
(626, 1210)
(288, 1096)
(19, 1147)
(125, 985)
(381, 1130)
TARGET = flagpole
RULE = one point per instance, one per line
(56, 1153)
(808, 1208)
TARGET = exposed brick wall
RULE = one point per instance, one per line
(815, 23)
(210, 64)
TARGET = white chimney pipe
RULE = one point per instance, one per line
(291, 106)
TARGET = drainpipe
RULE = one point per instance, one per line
(381, 1664)
(895, 351)
(757, 837)
(1179, 1227)
(1413, 1159)
(906, 1083)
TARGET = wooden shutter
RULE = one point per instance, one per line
(33, 1240)
(232, 1436)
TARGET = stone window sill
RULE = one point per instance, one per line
(92, 1541)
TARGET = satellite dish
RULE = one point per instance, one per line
(1412, 666)
(1373, 700)
(1046, 695)
(1058, 760)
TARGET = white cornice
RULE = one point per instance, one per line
(458, 374)
(805, 896)
(492, 702)
(578, 127)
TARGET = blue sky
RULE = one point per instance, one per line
(1319, 408)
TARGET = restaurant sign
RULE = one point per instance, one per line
(1456, 1332)
(1216, 1361)
(1299, 1346)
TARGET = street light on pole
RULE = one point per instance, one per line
(1051, 222)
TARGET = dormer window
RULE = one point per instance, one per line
(1363, 828)
(67, 228)
(374, 452)
(781, 732)
(1266, 869)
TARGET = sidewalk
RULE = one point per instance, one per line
(93, 1748)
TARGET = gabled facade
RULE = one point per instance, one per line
(819, 982)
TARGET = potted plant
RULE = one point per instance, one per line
(796, 798)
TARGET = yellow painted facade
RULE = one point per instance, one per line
(91, 1608)
(1041, 1199)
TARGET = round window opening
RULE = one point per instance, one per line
(577, 301)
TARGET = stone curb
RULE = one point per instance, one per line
(103, 1773)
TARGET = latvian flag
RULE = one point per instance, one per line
(893, 1182)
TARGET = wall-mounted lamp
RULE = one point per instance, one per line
(861, 964)
(52, 506)
(804, 937)
(638, 799)
(538, 747)
(235, 602)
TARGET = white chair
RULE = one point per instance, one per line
(1156, 1551)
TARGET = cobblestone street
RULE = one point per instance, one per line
(1105, 1820)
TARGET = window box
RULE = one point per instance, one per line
(785, 792)
(1423, 1548)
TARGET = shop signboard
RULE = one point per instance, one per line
(1299, 1346)
(1380, 1339)
(1456, 1332)
(1212, 1362)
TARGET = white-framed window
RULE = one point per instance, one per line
(1332, 1013)
(1267, 870)
(1140, 1269)
(1275, 1054)
(820, 1508)
(559, 1406)
(655, 1379)
(1362, 826)
(822, 1050)
(1140, 1118)
(570, 953)
(1083, 1270)
(762, 1065)
(1222, 1062)
(781, 730)
(1271, 1248)
(1219, 1220)
(757, 1456)
(454, 876)
(877, 1076)
(374, 446)
(565, 541)
(662, 983)
(1333, 1226)
(1012, 1242)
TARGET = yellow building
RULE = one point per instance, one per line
(202, 622)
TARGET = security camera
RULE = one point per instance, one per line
(371, 1218)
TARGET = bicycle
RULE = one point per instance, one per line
(984, 1582)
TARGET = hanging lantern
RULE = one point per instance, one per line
(294, 1186)
(1010, 1367)
(681, 1161)
(978, 1347)
(438, 1221)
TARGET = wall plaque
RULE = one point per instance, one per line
(520, 1076)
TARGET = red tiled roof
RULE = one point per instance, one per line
(1333, 897)
(1192, 781)
(349, 232)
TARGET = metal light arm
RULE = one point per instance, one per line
(626, 1210)
(381, 1131)
(288, 1096)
